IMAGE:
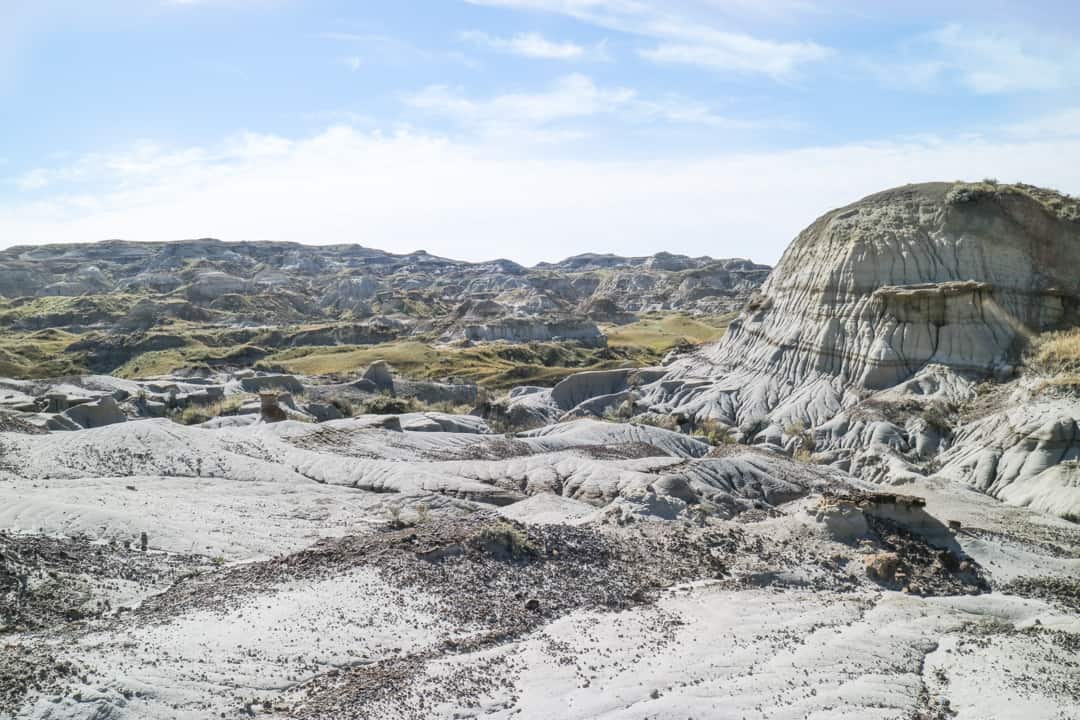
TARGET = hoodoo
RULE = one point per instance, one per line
(953, 274)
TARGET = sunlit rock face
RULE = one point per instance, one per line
(871, 293)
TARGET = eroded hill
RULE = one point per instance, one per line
(99, 307)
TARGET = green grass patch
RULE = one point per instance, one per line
(53, 311)
(660, 332)
(497, 366)
(39, 354)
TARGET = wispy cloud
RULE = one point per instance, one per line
(1062, 123)
(742, 53)
(573, 97)
(379, 49)
(985, 61)
(996, 62)
(681, 38)
(535, 45)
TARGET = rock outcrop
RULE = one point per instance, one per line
(871, 293)
(876, 326)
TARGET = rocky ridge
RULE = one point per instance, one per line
(268, 283)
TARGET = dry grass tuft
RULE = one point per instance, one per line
(195, 414)
(1057, 352)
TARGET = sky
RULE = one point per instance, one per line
(525, 129)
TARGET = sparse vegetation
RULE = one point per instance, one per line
(1056, 356)
(620, 413)
(496, 366)
(343, 406)
(658, 333)
(38, 354)
(389, 405)
(1057, 353)
(195, 414)
(807, 442)
(177, 344)
(33, 313)
(505, 540)
(1062, 205)
(936, 415)
(664, 422)
(714, 432)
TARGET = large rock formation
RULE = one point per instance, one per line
(874, 330)
(871, 293)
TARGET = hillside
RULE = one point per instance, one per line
(150, 308)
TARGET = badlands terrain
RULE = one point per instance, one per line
(272, 480)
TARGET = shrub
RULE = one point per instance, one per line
(806, 438)
(664, 422)
(505, 540)
(714, 432)
(1057, 352)
(621, 412)
(343, 406)
(395, 519)
(388, 405)
(195, 414)
(936, 415)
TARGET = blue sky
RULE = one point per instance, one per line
(531, 129)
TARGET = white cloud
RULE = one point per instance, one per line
(995, 62)
(408, 191)
(1063, 123)
(353, 62)
(379, 49)
(740, 53)
(573, 97)
(985, 61)
(684, 39)
(34, 180)
(535, 45)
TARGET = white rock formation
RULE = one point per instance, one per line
(872, 292)
(884, 312)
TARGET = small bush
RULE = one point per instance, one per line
(388, 405)
(664, 422)
(714, 432)
(936, 415)
(395, 519)
(447, 407)
(343, 406)
(505, 540)
(621, 412)
(1057, 352)
(195, 414)
(806, 438)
